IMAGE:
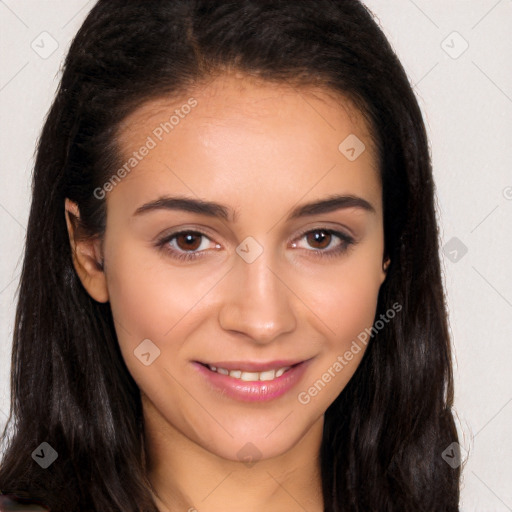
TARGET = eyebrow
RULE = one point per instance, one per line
(212, 209)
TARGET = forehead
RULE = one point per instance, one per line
(251, 135)
(236, 98)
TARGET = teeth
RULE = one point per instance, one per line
(248, 376)
(251, 376)
(269, 375)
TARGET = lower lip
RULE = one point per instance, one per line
(253, 391)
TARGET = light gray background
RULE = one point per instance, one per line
(466, 99)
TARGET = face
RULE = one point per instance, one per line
(251, 271)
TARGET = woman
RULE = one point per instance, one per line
(231, 296)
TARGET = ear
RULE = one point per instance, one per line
(87, 256)
(385, 265)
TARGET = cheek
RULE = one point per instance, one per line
(150, 299)
(146, 294)
(346, 298)
(134, 296)
(356, 304)
(145, 304)
(346, 305)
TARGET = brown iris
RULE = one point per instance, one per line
(192, 241)
(319, 236)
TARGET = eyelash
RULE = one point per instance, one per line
(346, 242)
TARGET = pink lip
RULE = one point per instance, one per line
(253, 391)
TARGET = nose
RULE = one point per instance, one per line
(257, 301)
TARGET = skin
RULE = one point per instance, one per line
(261, 149)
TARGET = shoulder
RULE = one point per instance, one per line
(10, 503)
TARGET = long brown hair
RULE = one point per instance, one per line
(386, 431)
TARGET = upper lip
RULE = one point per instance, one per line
(254, 366)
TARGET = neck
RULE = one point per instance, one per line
(187, 477)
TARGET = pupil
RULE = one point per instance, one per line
(191, 241)
(320, 236)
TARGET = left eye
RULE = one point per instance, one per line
(322, 238)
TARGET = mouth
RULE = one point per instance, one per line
(250, 375)
(252, 382)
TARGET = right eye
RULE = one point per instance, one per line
(184, 245)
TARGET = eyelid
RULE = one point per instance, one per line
(337, 229)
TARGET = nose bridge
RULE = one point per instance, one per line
(257, 302)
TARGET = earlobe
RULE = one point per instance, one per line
(87, 256)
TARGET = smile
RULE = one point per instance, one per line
(252, 382)
(249, 376)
